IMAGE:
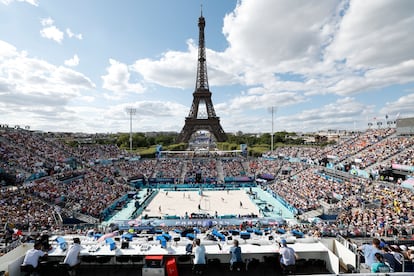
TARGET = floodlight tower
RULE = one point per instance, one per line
(273, 110)
(131, 111)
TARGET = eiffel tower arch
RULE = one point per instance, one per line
(202, 115)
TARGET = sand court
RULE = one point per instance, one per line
(235, 202)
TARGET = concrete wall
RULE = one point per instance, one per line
(12, 260)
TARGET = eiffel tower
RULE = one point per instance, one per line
(200, 119)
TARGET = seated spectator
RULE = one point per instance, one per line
(33, 255)
(369, 251)
(288, 255)
(390, 260)
(72, 257)
(235, 253)
(379, 264)
(199, 257)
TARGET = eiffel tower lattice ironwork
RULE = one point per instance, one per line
(200, 119)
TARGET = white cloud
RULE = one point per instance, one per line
(117, 80)
(71, 34)
(403, 106)
(35, 85)
(46, 22)
(178, 69)
(371, 36)
(345, 113)
(50, 31)
(72, 61)
(31, 2)
(290, 32)
(116, 119)
(53, 33)
(257, 99)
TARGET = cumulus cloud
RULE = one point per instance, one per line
(290, 31)
(279, 53)
(117, 80)
(178, 69)
(71, 34)
(402, 106)
(50, 31)
(31, 2)
(117, 119)
(370, 36)
(72, 61)
(345, 112)
(34, 85)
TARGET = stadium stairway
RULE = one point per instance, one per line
(220, 172)
(311, 214)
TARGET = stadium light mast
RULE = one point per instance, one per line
(273, 110)
(131, 111)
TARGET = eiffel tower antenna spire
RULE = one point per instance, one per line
(201, 80)
(196, 120)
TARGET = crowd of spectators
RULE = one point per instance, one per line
(233, 167)
(21, 210)
(89, 194)
(206, 167)
(382, 150)
(101, 171)
(170, 168)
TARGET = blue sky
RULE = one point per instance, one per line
(322, 64)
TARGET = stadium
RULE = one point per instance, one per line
(81, 204)
(336, 198)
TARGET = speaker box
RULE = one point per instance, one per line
(125, 245)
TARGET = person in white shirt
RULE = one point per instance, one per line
(33, 255)
(72, 257)
(199, 252)
(287, 254)
(199, 257)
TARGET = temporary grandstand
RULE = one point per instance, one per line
(311, 196)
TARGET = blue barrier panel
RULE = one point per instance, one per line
(111, 243)
(281, 231)
(297, 233)
(219, 235)
(127, 237)
(245, 235)
(166, 236)
(162, 240)
(257, 232)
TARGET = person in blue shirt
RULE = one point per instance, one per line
(369, 251)
(235, 253)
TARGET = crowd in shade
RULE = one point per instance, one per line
(169, 168)
(53, 179)
(207, 168)
(233, 167)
